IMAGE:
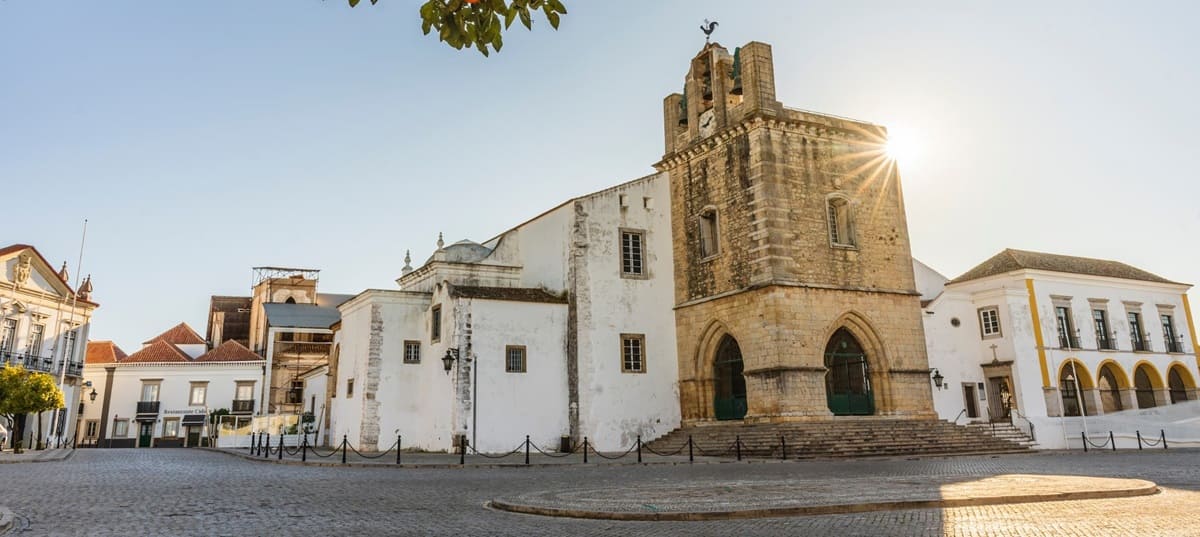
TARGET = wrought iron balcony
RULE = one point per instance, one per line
(1173, 345)
(74, 369)
(148, 407)
(1103, 342)
(1067, 341)
(242, 406)
(1140, 345)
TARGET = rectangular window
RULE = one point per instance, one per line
(1066, 328)
(149, 391)
(8, 336)
(632, 250)
(69, 342)
(199, 394)
(514, 359)
(120, 428)
(349, 388)
(37, 333)
(170, 428)
(91, 429)
(295, 396)
(1103, 335)
(412, 352)
(245, 391)
(1169, 336)
(435, 324)
(989, 322)
(633, 353)
(1135, 332)
(708, 234)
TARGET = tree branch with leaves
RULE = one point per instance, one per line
(482, 23)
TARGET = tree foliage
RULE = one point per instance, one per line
(481, 23)
(26, 392)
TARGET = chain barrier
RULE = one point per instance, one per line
(554, 455)
(727, 451)
(372, 457)
(514, 451)
(672, 454)
(314, 451)
(1088, 442)
(628, 451)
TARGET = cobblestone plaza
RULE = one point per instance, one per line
(191, 492)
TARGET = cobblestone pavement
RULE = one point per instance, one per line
(193, 492)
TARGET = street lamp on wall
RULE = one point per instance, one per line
(449, 358)
(938, 379)
(92, 396)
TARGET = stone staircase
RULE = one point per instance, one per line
(842, 437)
(1005, 431)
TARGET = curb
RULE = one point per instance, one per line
(56, 458)
(1145, 488)
(443, 466)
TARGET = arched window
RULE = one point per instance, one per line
(1110, 390)
(1177, 385)
(1073, 390)
(709, 245)
(841, 222)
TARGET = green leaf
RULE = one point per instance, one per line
(509, 17)
(526, 20)
(553, 18)
(558, 6)
(353, 3)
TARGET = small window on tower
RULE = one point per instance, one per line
(633, 259)
(709, 245)
(841, 222)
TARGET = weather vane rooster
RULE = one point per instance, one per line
(708, 28)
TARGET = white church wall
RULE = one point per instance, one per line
(539, 247)
(616, 407)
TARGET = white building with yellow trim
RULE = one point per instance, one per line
(1066, 344)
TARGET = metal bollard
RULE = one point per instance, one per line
(585, 448)
(268, 450)
(280, 446)
(344, 442)
(462, 450)
(783, 445)
(691, 458)
(737, 445)
(1139, 437)
(304, 450)
(1083, 435)
(1163, 437)
(639, 448)
(398, 438)
(1112, 441)
(254, 443)
(526, 450)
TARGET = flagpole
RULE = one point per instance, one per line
(62, 373)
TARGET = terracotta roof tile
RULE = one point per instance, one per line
(180, 334)
(1010, 260)
(512, 294)
(230, 351)
(159, 351)
(103, 352)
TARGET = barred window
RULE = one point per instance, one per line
(514, 359)
(412, 352)
(633, 354)
(632, 250)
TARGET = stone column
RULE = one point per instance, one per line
(1053, 401)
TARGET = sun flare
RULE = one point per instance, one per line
(903, 146)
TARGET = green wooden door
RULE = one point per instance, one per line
(729, 401)
(848, 380)
(145, 433)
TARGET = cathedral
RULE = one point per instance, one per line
(762, 274)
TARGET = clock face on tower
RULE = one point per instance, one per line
(707, 123)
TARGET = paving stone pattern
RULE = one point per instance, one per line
(194, 492)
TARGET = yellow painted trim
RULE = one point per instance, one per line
(1084, 377)
(1187, 310)
(1184, 374)
(1037, 333)
(1157, 380)
(1122, 378)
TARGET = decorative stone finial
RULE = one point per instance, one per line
(63, 274)
(85, 290)
(440, 242)
(407, 263)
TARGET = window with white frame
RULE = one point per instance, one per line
(91, 429)
(514, 359)
(150, 391)
(632, 253)
(412, 352)
(170, 428)
(989, 322)
(633, 353)
(245, 391)
(37, 333)
(8, 336)
(120, 428)
(69, 344)
(199, 394)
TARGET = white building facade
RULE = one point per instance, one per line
(44, 327)
(1067, 344)
(560, 327)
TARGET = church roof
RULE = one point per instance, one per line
(156, 352)
(1011, 260)
(180, 334)
(511, 294)
(103, 352)
(230, 351)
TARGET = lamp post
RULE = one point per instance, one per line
(449, 358)
(938, 379)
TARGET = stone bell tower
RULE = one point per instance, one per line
(794, 289)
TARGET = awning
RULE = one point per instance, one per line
(193, 419)
(146, 417)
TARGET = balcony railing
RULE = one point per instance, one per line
(242, 406)
(148, 407)
(74, 370)
(1067, 341)
(1105, 343)
(1140, 344)
(1173, 345)
(301, 347)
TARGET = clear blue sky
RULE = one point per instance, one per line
(203, 138)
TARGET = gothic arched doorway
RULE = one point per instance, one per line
(848, 381)
(729, 401)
